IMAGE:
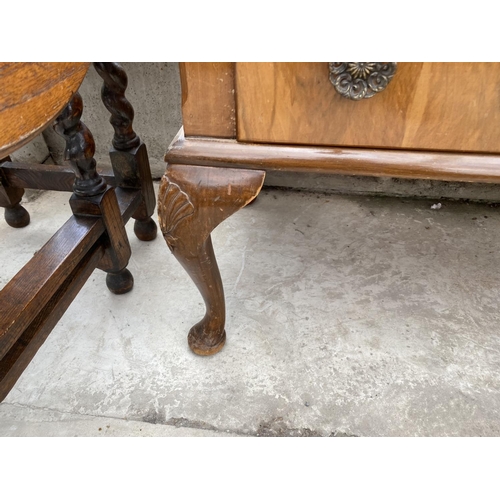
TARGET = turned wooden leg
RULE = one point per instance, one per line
(92, 197)
(128, 155)
(15, 215)
(193, 201)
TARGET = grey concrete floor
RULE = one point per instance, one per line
(347, 316)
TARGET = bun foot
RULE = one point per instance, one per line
(121, 282)
(17, 216)
(145, 230)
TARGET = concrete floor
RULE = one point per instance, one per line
(347, 316)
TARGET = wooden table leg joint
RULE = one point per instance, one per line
(117, 250)
(132, 170)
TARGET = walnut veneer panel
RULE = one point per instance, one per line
(427, 106)
(208, 104)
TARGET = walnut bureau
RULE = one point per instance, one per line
(406, 120)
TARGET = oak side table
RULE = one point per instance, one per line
(34, 96)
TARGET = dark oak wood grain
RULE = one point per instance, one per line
(92, 197)
(10, 198)
(22, 299)
(44, 176)
(94, 237)
(26, 346)
(35, 299)
(128, 155)
(113, 96)
(105, 206)
(80, 149)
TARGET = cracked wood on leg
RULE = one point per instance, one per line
(192, 201)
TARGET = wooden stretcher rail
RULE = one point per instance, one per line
(28, 292)
(26, 346)
(41, 176)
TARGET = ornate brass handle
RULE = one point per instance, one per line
(361, 80)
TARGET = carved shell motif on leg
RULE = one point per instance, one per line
(174, 206)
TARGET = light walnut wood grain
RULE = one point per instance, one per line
(427, 106)
(348, 161)
(31, 96)
(192, 201)
(208, 102)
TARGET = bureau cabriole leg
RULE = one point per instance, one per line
(193, 201)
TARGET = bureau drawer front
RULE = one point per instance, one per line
(426, 106)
